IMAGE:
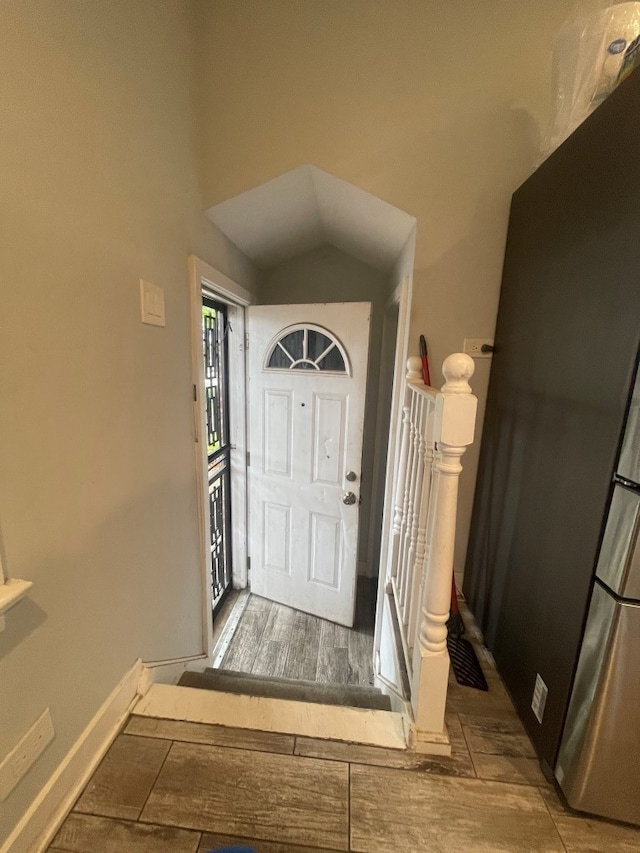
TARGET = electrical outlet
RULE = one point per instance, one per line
(473, 347)
(539, 700)
(24, 755)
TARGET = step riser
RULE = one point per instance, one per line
(354, 725)
(249, 676)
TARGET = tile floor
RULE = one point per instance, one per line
(176, 787)
(277, 641)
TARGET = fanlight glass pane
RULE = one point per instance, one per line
(317, 344)
(287, 350)
(307, 349)
(332, 361)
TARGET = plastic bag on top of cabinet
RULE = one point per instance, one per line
(590, 56)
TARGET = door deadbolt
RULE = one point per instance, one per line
(349, 498)
(351, 476)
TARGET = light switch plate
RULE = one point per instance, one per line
(151, 303)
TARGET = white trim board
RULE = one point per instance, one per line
(225, 288)
(328, 722)
(404, 295)
(168, 671)
(11, 591)
(38, 826)
(229, 630)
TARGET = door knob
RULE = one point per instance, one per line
(349, 498)
(351, 476)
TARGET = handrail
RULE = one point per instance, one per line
(437, 427)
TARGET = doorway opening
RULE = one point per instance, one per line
(307, 371)
(329, 243)
(252, 634)
(219, 424)
(307, 613)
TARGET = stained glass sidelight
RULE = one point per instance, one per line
(213, 333)
(219, 524)
(214, 338)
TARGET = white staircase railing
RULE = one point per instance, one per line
(437, 427)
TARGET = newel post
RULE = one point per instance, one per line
(453, 432)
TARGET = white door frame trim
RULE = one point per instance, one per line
(383, 432)
(221, 287)
(403, 295)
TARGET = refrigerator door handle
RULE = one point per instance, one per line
(629, 464)
(619, 560)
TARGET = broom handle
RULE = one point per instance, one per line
(455, 610)
(425, 361)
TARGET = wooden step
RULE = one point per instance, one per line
(327, 722)
(233, 673)
(352, 696)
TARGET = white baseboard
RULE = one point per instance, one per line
(429, 743)
(168, 671)
(38, 826)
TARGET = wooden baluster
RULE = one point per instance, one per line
(418, 499)
(432, 512)
(455, 418)
(399, 493)
(422, 551)
(406, 506)
(411, 480)
(401, 486)
(414, 377)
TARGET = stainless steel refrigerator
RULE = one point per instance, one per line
(599, 758)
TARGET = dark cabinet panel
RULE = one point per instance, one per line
(566, 343)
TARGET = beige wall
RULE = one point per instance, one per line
(97, 487)
(328, 275)
(434, 106)
(437, 107)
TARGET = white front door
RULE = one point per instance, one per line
(307, 378)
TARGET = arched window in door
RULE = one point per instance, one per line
(307, 347)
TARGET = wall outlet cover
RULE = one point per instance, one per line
(473, 347)
(539, 700)
(22, 757)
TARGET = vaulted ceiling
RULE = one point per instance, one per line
(306, 208)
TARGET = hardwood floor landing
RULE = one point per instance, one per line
(276, 641)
